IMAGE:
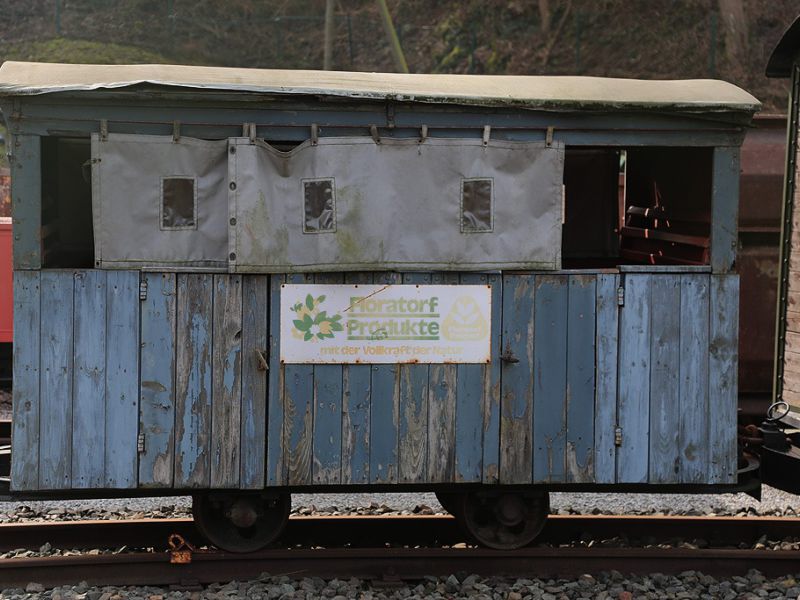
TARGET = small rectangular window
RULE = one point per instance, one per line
(178, 203)
(476, 205)
(319, 202)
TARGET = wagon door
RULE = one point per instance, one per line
(558, 331)
(203, 380)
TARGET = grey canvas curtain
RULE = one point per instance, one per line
(159, 203)
(340, 204)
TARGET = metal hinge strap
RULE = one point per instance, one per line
(618, 437)
(143, 290)
(140, 443)
(621, 296)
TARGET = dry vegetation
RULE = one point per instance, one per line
(728, 39)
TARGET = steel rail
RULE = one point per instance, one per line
(387, 564)
(362, 550)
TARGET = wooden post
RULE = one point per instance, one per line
(724, 208)
(26, 206)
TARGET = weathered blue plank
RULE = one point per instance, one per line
(724, 208)
(226, 401)
(193, 380)
(327, 412)
(413, 431)
(491, 387)
(26, 193)
(356, 411)
(634, 380)
(157, 407)
(606, 336)
(122, 378)
(299, 410)
(253, 448)
(89, 380)
(694, 378)
(665, 406)
(550, 378)
(55, 422)
(25, 421)
(516, 412)
(276, 463)
(471, 399)
(442, 410)
(581, 378)
(383, 442)
(722, 387)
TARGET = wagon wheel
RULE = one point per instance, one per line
(241, 522)
(504, 520)
(450, 501)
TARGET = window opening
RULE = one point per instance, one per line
(178, 203)
(67, 231)
(319, 204)
(639, 205)
(476, 205)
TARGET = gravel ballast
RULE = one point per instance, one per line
(774, 503)
(603, 586)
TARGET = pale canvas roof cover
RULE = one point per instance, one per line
(553, 92)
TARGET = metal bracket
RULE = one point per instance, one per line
(140, 443)
(142, 290)
(390, 115)
(618, 437)
(487, 132)
(180, 551)
(103, 130)
(373, 131)
(423, 133)
(548, 137)
(176, 131)
(621, 295)
(314, 134)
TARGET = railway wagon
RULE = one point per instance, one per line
(238, 284)
(781, 448)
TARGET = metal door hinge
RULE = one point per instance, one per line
(618, 437)
(621, 296)
(143, 290)
(140, 443)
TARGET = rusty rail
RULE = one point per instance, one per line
(358, 546)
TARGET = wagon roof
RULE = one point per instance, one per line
(535, 92)
(786, 52)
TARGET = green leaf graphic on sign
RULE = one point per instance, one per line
(312, 323)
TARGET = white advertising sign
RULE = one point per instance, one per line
(385, 323)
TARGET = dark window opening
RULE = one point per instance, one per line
(476, 205)
(67, 232)
(319, 204)
(636, 206)
(178, 203)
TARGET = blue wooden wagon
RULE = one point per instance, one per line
(239, 283)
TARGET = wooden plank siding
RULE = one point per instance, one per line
(589, 390)
(255, 331)
(157, 381)
(193, 389)
(356, 403)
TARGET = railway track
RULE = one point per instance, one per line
(420, 545)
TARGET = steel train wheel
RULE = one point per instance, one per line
(450, 501)
(504, 520)
(241, 522)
